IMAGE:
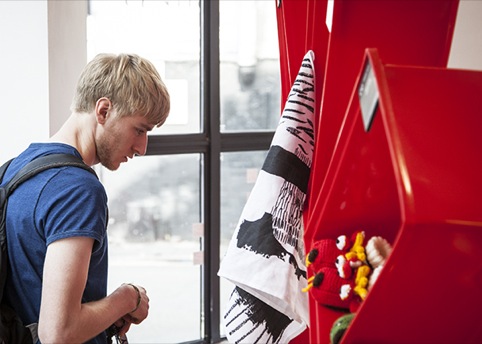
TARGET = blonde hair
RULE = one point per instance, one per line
(131, 82)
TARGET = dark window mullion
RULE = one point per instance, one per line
(177, 144)
(211, 114)
(246, 141)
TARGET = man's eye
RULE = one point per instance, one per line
(140, 131)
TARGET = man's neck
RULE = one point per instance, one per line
(79, 132)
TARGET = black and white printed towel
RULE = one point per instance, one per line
(265, 258)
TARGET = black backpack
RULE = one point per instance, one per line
(12, 330)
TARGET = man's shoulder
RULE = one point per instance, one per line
(72, 179)
(37, 150)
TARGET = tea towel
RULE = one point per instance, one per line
(265, 258)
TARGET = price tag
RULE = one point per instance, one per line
(368, 95)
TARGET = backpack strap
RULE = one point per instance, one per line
(41, 164)
(3, 168)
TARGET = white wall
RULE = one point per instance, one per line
(67, 21)
(24, 113)
(43, 49)
(466, 50)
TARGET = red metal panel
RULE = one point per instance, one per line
(404, 32)
(301, 27)
(414, 179)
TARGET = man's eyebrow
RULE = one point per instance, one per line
(147, 127)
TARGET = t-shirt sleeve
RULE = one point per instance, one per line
(73, 203)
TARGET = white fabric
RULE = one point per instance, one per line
(265, 258)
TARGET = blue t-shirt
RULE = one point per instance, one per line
(55, 204)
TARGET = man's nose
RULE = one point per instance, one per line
(141, 145)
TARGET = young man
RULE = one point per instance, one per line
(57, 220)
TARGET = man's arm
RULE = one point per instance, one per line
(63, 318)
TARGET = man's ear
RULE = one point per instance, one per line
(102, 109)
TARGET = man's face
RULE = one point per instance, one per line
(121, 139)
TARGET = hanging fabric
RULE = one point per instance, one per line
(265, 258)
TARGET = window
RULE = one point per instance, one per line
(173, 211)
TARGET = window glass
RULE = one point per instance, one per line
(239, 172)
(153, 203)
(249, 66)
(155, 200)
(165, 32)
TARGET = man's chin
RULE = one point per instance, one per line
(111, 166)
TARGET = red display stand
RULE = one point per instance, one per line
(411, 174)
(401, 178)
(405, 32)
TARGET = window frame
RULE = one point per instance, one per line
(211, 143)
